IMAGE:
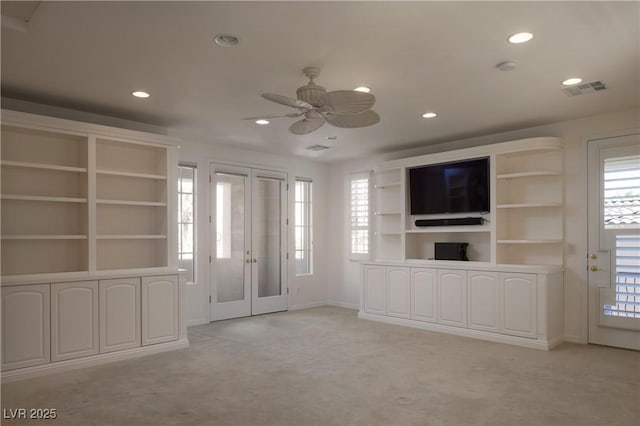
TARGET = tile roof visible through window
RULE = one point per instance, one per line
(622, 211)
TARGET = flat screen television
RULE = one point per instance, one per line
(457, 187)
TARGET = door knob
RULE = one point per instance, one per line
(593, 256)
(255, 260)
(594, 268)
(248, 260)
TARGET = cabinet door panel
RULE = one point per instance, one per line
(159, 309)
(74, 320)
(25, 326)
(452, 297)
(119, 314)
(519, 304)
(484, 301)
(398, 292)
(374, 290)
(423, 294)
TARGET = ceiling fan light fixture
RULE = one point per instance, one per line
(520, 38)
(429, 115)
(226, 40)
(140, 94)
(363, 89)
(262, 122)
(572, 81)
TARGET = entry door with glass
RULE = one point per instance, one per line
(248, 261)
(614, 241)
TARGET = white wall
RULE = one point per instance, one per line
(343, 279)
(305, 291)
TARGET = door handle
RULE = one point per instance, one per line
(248, 261)
(255, 260)
(594, 268)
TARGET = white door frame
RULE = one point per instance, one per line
(604, 330)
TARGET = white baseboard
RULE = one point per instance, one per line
(465, 332)
(306, 306)
(90, 361)
(575, 339)
(343, 304)
(191, 323)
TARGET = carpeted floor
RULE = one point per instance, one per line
(323, 366)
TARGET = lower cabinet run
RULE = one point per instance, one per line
(498, 305)
(51, 323)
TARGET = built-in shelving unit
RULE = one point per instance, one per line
(388, 213)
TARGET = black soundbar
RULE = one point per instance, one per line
(450, 222)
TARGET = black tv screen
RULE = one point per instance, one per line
(458, 187)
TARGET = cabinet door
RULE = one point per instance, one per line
(119, 314)
(423, 294)
(25, 326)
(484, 301)
(74, 320)
(519, 304)
(159, 309)
(398, 292)
(452, 297)
(374, 289)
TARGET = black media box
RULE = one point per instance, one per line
(451, 251)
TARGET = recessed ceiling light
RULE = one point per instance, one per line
(262, 122)
(572, 81)
(226, 40)
(429, 115)
(520, 38)
(140, 94)
(363, 89)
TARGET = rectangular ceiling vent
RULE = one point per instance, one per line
(584, 88)
(318, 147)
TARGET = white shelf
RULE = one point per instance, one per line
(387, 185)
(131, 237)
(42, 166)
(388, 233)
(132, 203)
(40, 198)
(532, 241)
(527, 174)
(527, 205)
(44, 237)
(129, 174)
(386, 213)
(446, 229)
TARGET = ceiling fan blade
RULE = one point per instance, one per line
(304, 126)
(285, 100)
(347, 101)
(350, 121)
(259, 117)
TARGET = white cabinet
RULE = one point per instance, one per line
(374, 290)
(119, 314)
(25, 326)
(74, 320)
(519, 304)
(423, 294)
(398, 292)
(159, 309)
(484, 301)
(452, 297)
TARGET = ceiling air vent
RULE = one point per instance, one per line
(584, 88)
(318, 147)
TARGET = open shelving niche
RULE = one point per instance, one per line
(80, 203)
(524, 226)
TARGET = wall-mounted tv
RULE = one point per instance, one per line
(457, 187)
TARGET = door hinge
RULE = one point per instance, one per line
(287, 290)
(209, 219)
(287, 256)
(209, 178)
(287, 221)
(209, 258)
(209, 299)
(287, 187)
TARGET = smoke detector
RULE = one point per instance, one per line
(506, 66)
(318, 147)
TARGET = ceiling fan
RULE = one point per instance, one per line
(341, 108)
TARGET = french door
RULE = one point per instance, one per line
(249, 241)
(614, 241)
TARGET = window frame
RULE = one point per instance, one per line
(193, 222)
(307, 228)
(358, 256)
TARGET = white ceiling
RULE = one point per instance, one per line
(416, 57)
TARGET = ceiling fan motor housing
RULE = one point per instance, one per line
(311, 93)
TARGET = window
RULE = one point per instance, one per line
(186, 219)
(303, 235)
(359, 187)
(223, 220)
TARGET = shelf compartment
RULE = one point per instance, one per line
(387, 185)
(44, 182)
(21, 257)
(532, 174)
(528, 205)
(531, 241)
(398, 233)
(45, 199)
(130, 254)
(131, 237)
(389, 213)
(44, 237)
(530, 254)
(422, 245)
(129, 174)
(24, 145)
(28, 165)
(118, 187)
(529, 161)
(132, 203)
(117, 219)
(444, 229)
(130, 158)
(51, 218)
